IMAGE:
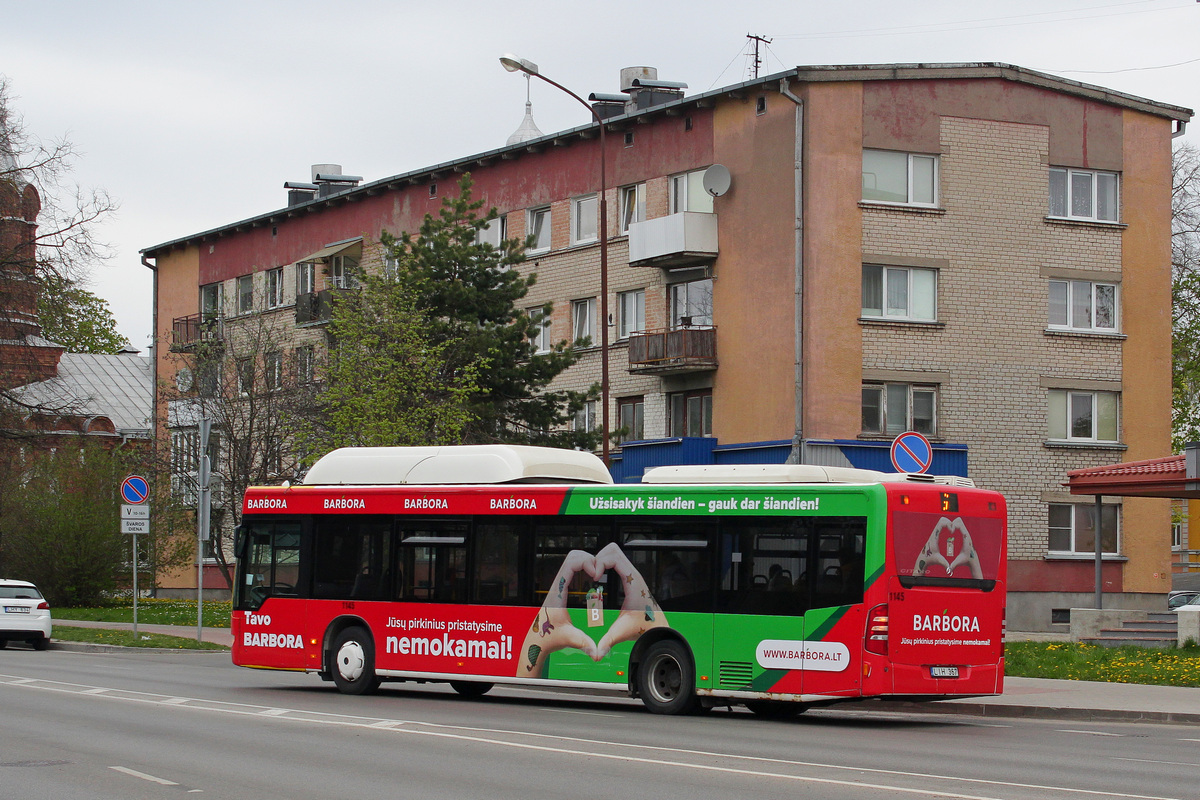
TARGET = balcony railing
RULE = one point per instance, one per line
(187, 332)
(315, 307)
(689, 237)
(670, 350)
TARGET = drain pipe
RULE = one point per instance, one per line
(798, 455)
(153, 350)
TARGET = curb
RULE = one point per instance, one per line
(91, 647)
(1033, 712)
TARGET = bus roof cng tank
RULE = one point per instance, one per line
(461, 464)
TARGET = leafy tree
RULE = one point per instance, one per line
(468, 292)
(387, 382)
(1185, 295)
(77, 319)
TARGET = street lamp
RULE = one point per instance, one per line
(514, 63)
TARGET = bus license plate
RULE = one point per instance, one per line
(943, 672)
(16, 609)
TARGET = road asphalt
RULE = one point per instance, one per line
(1030, 698)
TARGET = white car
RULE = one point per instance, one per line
(24, 614)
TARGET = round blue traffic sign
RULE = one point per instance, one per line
(911, 452)
(135, 490)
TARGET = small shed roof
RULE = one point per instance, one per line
(1155, 477)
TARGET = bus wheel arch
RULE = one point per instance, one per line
(662, 672)
(349, 656)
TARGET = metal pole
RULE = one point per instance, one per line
(1099, 561)
(202, 523)
(135, 588)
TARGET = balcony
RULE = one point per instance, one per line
(689, 237)
(188, 332)
(673, 350)
(314, 307)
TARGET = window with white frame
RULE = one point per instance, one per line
(687, 193)
(584, 224)
(631, 418)
(245, 294)
(1084, 194)
(690, 413)
(210, 302)
(274, 279)
(585, 418)
(1073, 528)
(899, 293)
(494, 232)
(245, 376)
(306, 277)
(893, 408)
(344, 272)
(273, 370)
(305, 371)
(903, 178)
(1082, 416)
(1083, 306)
(541, 335)
(631, 312)
(538, 229)
(583, 318)
(633, 205)
(691, 303)
(273, 456)
(185, 461)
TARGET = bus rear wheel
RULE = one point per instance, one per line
(775, 709)
(471, 688)
(353, 666)
(667, 680)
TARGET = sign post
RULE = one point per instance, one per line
(911, 452)
(135, 519)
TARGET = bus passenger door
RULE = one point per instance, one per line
(834, 622)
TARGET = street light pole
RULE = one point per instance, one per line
(513, 63)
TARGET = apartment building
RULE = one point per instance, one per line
(802, 267)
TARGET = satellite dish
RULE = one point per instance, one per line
(716, 180)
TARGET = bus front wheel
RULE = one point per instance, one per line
(471, 688)
(353, 664)
(666, 679)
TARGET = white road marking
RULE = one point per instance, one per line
(144, 776)
(585, 713)
(454, 732)
(1152, 761)
(1090, 733)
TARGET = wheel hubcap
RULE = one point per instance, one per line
(665, 679)
(350, 661)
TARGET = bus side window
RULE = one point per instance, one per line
(840, 563)
(497, 563)
(433, 561)
(553, 542)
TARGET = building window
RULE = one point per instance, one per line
(245, 376)
(900, 293)
(273, 457)
(893, 408)
(210, 302)
(539, 229)
(633, 205)
(1083, 416)
(306, 278)
(273, 370)
(1083, 306)
(583, 219)
(631, 418)
(541, 323)
(185, 462)
(688, 194)
(583, 315)
(304, 364)
(493, 233)
(690, 413)
(904, 178)
(343, 270)
(1084, 194)
(1073, 528)
(275, 287)
(585, 418)
(245, 294)
(691, 303)
(631, 312)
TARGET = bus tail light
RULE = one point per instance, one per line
(877, 630)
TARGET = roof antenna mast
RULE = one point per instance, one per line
(758, 40)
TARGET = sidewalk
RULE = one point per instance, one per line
(1030, 698)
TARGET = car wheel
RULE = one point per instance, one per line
(40, 644)
(353, 662)
(3, 643)
(666, 679)
(471, 688)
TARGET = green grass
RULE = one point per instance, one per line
(65, 633)
(1084, 662)
(153, 612)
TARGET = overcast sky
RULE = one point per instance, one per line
(193, 115)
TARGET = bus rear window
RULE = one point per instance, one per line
(947, 550)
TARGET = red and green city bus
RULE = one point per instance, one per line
(774, 586)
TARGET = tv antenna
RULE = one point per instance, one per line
(758, 40)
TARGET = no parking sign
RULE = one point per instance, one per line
(911, 452)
